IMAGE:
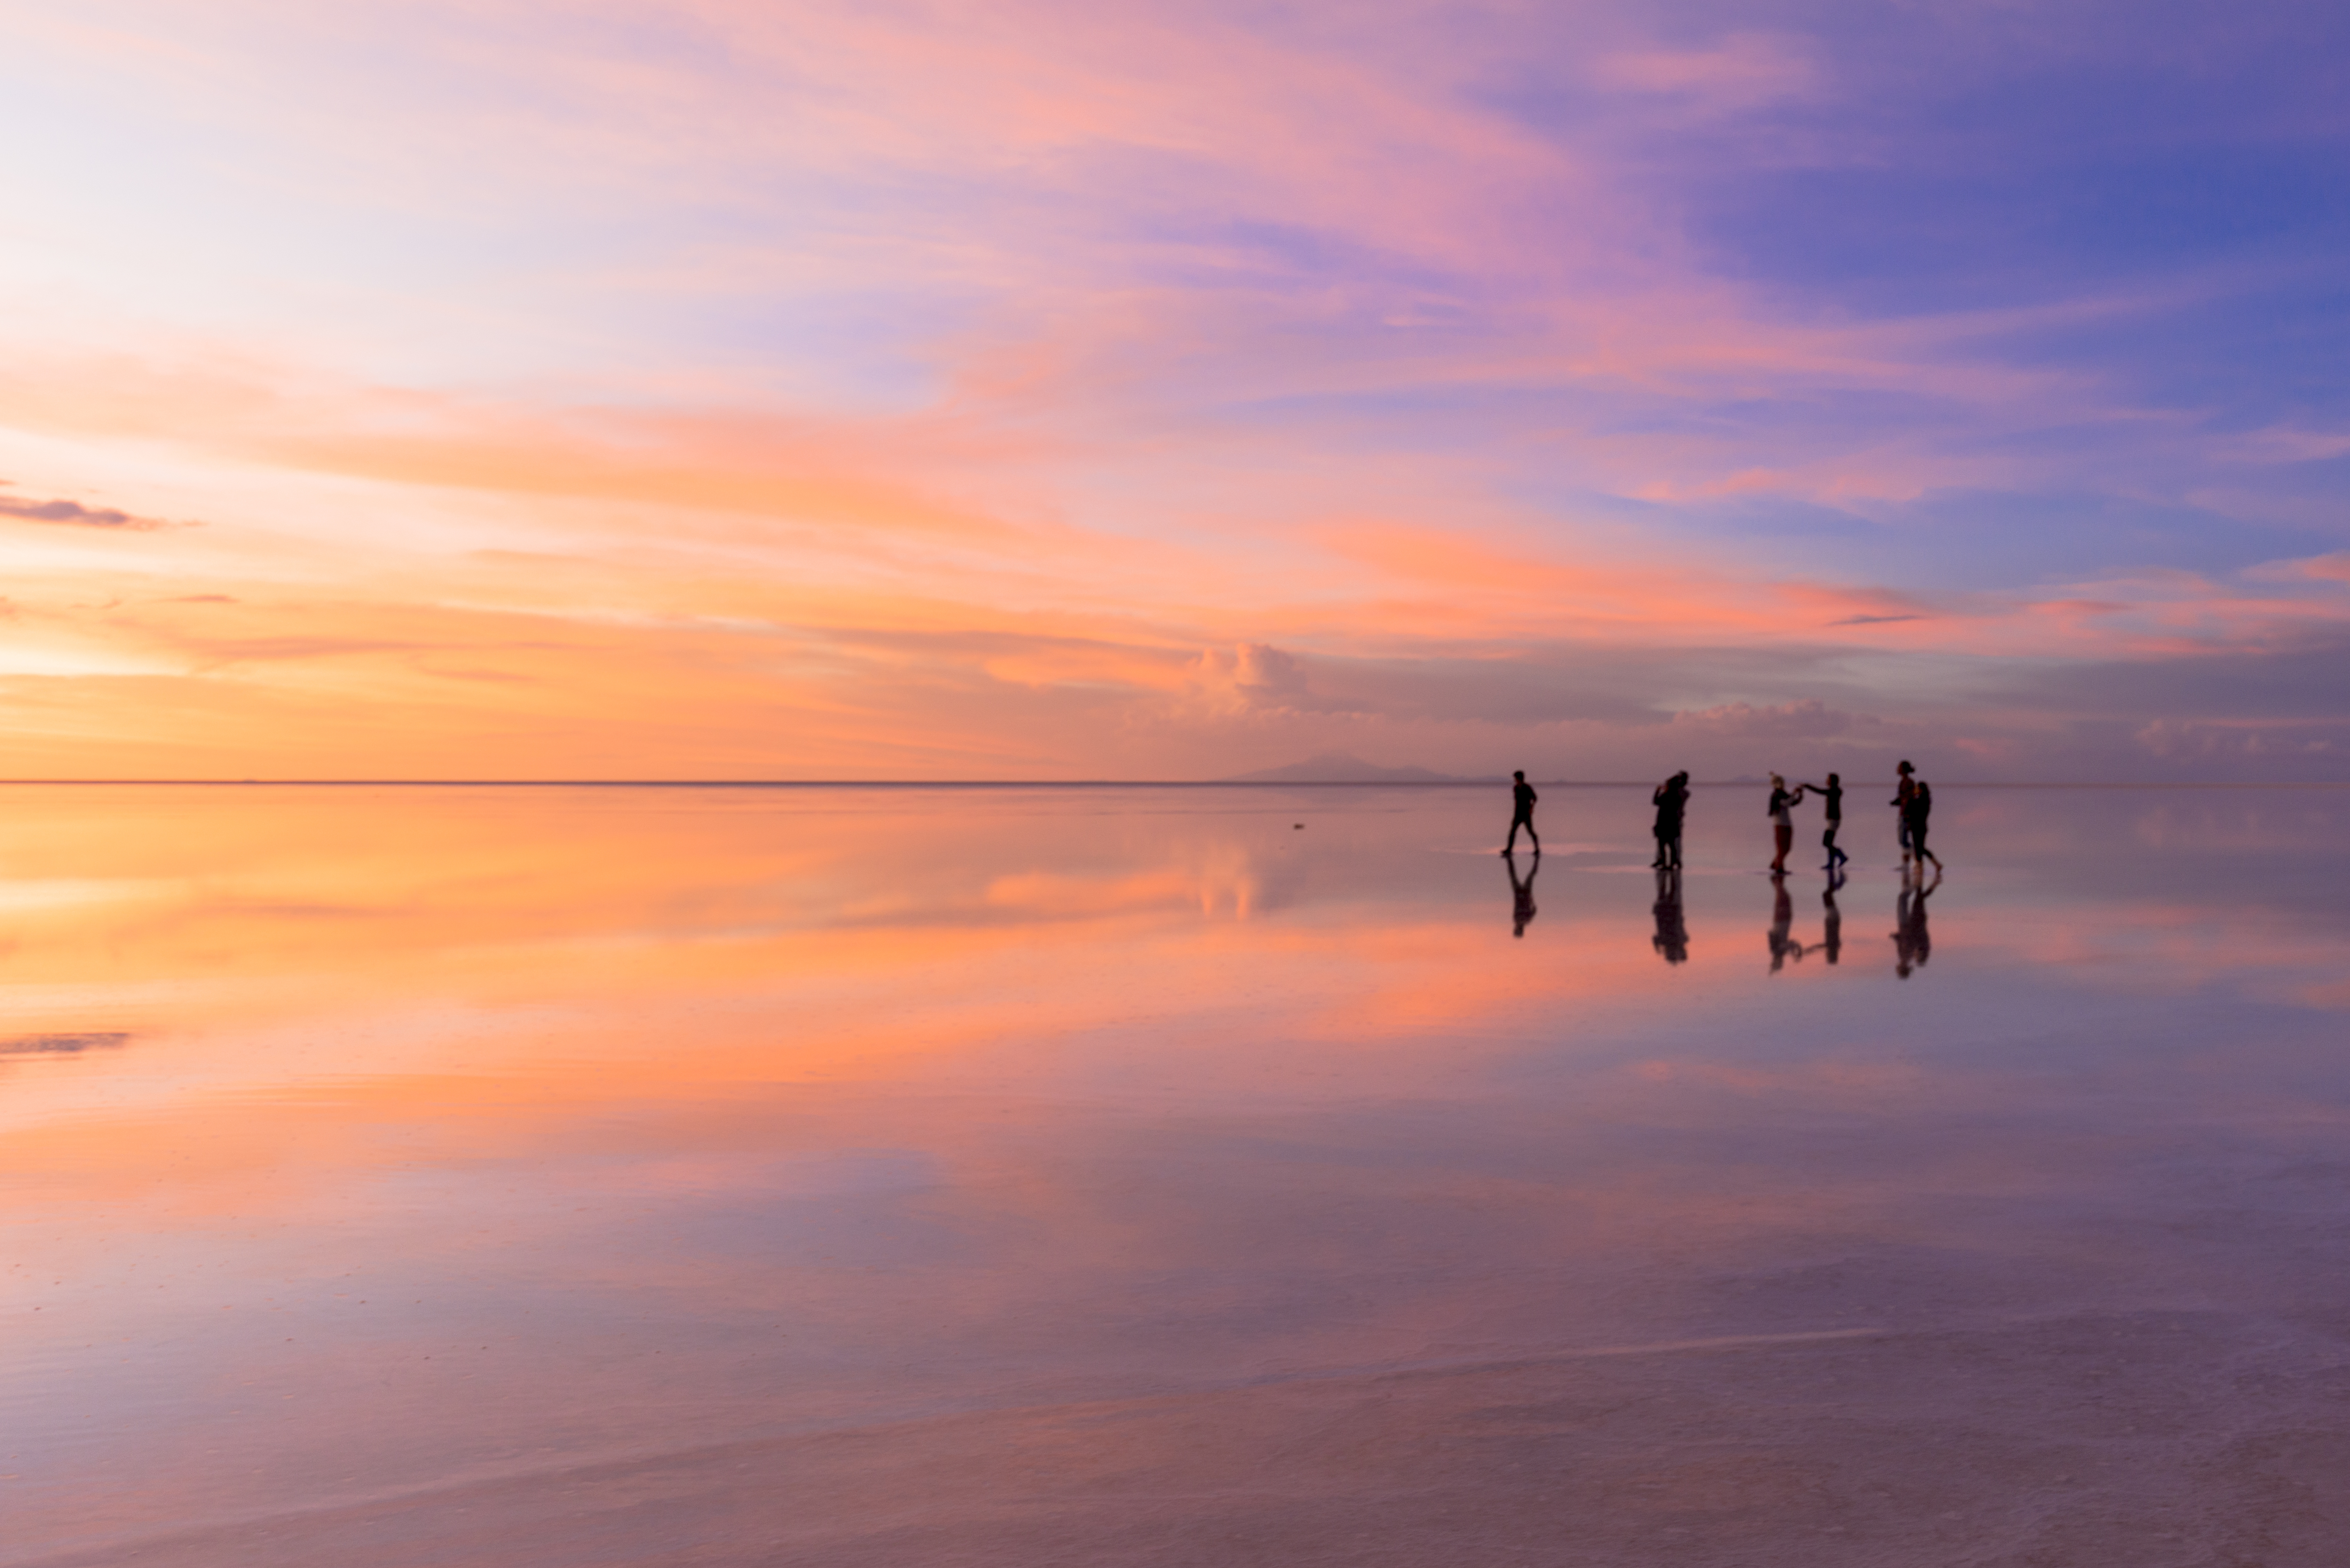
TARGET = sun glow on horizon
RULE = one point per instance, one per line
(708, 391)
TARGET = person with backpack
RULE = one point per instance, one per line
(1671, 800)
(1914, 816)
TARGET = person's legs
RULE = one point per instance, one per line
(1784, 837)
(1674, 843)
(1918, 838)
(1512, 847)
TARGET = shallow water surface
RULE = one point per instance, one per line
(1168, 1176)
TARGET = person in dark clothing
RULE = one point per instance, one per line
(1832, 919)
(1672, 801)
(1521, 894)
(1833, 794)
(1913, 940)
(1521, 795)
(1782, 919)
(1671, 941)
(1900, 805)
(1914, 817)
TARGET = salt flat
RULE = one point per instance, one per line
(913, 1177)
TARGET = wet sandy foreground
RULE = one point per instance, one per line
(2153, 1438)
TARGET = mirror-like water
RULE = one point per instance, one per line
(909, 1176)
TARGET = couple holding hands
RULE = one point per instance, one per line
(1914, 798)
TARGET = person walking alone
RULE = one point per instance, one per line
(1834, 795)
(1521, 814)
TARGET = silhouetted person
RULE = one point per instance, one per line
(1900, 805)
(1522, 813)
(1671, 939)
(1831, 920)
(1914, 816)
(1913, 943)
(1521, 894)
(1782, 918)
(1782, 826)
(1833, 794)
(1672, 801)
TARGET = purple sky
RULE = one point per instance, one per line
(1059, 390)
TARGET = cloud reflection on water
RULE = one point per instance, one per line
(470, 1133)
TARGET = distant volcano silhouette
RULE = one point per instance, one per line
(1338, 767)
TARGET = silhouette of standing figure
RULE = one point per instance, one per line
(1782, 827)
(1521, 894)
(1900, 805)
(1672, 801)
(1834, 795)
(1913, 819)
(1671, 939)
(1913, 942)
(1521, 795)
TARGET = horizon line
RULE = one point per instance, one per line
(1093, 783)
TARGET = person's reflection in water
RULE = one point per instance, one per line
(1831, 920)
(1671, 939)
(1782, 916)
(1522, 893)
(1913, 943)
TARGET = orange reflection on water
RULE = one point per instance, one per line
(491, 1131)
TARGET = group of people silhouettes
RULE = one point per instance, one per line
(1913, 801)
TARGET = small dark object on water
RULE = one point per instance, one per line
(1296, 824)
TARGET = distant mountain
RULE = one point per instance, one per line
(1338, 767)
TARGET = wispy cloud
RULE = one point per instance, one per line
(74, 513)
(1169, 389)
(64, 1044)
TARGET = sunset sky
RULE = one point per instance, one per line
(1144, 390)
